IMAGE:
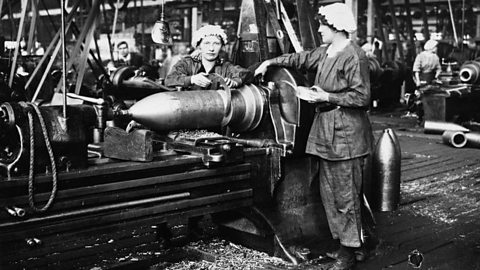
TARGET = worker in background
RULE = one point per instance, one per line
(368, 47)
(341, 134)
(426, 69)
(377, 49)
(39, 50)
(199, 70)
(125, 57)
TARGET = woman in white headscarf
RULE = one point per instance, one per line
(192, 72)
(427, 64)
(341, 134)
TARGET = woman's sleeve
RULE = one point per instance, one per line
(179, 75)
(307, 60)
(357, 93)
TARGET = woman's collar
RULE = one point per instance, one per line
(331, 50)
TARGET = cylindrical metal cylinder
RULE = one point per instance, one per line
(454, 138)
(200, 109)
(386, 173)
(473, 139)
(180, 110)
(436, 127)
(470, 72)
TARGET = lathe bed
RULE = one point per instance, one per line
(119, 204)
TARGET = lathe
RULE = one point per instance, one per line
(94, 188)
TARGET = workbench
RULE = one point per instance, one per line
(456, 106)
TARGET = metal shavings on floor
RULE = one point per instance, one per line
(448, 195)
(218, 254)
(226, 255)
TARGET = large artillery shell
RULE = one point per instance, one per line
(200, 109)
(436, 127)
(180, 110)
(454, 138)
(470, 72)
(473, 139)
(386, 173)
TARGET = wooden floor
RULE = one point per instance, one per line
(439, 214)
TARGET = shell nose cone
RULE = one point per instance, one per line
(156, 109)
(180, 110)
(154, 106)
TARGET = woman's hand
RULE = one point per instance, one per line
(200, 79)
(231, 83)
(317, 94)
(262, 68)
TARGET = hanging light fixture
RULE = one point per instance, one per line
(161, 30)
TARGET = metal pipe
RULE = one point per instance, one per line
(453, 23)
(437, 127)
(473, 139)
(31, 32)
(454, 138)
(410, 28)
(259, 143)
(51, 47)
(397, 34)
(470, 72)
(96, 101)
(64, 63)
(94, 210)
(463, 22)
(24, 6)
(426, 31)
(115, 16)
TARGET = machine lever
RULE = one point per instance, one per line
(97, 101)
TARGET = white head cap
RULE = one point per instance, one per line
(340, 16)
(208, 30)
(430, 45)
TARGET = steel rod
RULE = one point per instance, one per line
(33, 23)
(17, 46)
(64, 63)
(463, 22)
(94, 210)
(426, 31)
(114, 25)
(397, 34)
(51, 46)
(453, 23)
(410, 29)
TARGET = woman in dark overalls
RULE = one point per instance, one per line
(341, 134)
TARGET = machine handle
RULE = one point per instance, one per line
(98, 101)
